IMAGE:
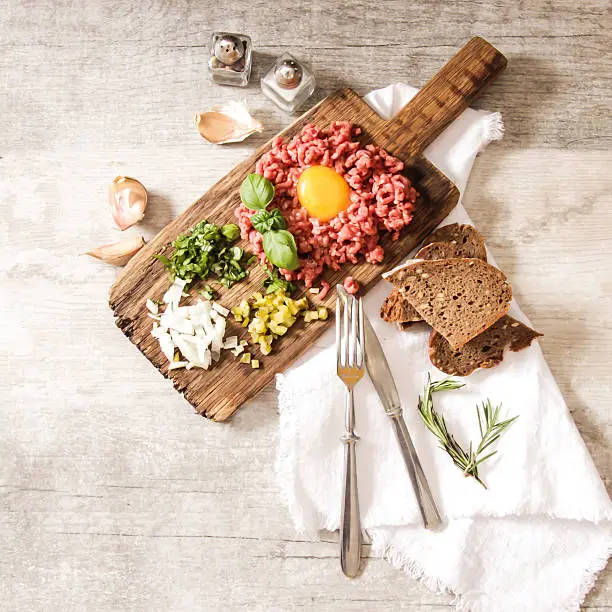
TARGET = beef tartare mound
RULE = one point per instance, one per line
(381, 199)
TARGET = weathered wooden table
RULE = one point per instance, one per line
(113, 494)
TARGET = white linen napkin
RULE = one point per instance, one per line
(536, 538)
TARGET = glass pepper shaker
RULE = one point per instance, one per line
(231, 57)
(288, 83)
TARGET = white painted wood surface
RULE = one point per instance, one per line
(113, 494)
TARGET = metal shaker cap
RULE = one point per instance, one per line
(229, 49)
(288, 74)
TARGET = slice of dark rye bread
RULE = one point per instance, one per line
(448, 250)
(464, 241)
(396, 308)
(459, 298)
(483, 351)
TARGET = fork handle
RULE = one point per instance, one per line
(427, 505)
(350, 525)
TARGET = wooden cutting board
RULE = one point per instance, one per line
(217, 393)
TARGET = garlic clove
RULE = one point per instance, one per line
(230, 122)
(128, 199)
(118, 253)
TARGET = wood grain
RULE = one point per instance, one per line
(113, 494)
(220, 391)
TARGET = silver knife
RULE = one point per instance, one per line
(382, 379)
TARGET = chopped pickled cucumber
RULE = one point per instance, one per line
(255, 364)
(242, 311)
(270, 316)
(258, 325)
(246, 358)
(277, 328)
(323, 313)
(310, 315)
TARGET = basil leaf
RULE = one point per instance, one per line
(265, 221)
(262, 221)
(279, 247)
(256, 192)
(231, 231)
(277, 219)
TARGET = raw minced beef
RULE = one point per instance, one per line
(381, 199)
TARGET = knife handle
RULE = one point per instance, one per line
(427, 505)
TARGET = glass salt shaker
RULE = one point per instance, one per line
(288, 83)
(231, 57)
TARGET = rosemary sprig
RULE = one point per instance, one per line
(491, 428)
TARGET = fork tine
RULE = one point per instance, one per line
(345, 334)
(354, 320)
(362, 347)
(338, 331)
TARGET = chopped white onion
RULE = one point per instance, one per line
(174, 294)
(166, 345)
(197, 331)
(230, 342)
(152, 307)
(177, 365)
(220, 309)
(174, 321)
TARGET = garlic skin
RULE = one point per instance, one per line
(229, 122)
(128, 200)
(118, 253)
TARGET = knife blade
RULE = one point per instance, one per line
(380, 372)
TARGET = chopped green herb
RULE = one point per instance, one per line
(163, 259)
(275, 282)
(207, 249)
(208, 293)
(231, 231)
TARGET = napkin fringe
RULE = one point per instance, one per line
(402, 561)
(589, 577)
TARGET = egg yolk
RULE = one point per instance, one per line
(322, 192)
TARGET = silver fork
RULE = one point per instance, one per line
(350, 348)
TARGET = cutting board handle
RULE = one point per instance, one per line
(446, 95)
